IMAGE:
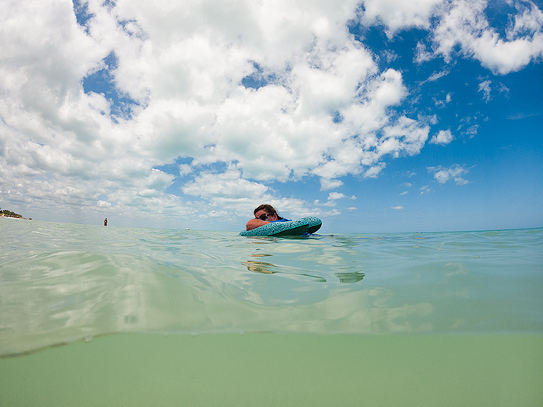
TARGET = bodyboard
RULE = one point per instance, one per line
(290, 228)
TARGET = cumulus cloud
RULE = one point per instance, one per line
(398, 14)
(443, 174)
(422, 54)
(463, 23)
(335, 196)
(234, 95)
(228, 185)
(443, 137)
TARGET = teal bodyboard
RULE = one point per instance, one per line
(289, 228)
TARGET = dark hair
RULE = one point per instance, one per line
(270, 210)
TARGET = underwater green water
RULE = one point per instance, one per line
(280, 370)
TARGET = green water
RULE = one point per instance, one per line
(94, 316)
(280, 370)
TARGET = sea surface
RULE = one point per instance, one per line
(93, 315)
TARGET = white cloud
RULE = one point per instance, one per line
(372, 172)
(397, 208)
(321, 106)
(406, 136)
(423, 55)
(485, 88)
(333, 212)
(530, 21)
(228, 185)
(327, 184)
(442, 174)
(441, 104)
(472, 130)
(443, 137)
(463, 23)
(398, 14)
(185, 169)
(520, 116)
(335, 196)
(425, 189)
(438, 75)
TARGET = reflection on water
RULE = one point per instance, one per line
(269, 268)
(259, 267)
(350, 277)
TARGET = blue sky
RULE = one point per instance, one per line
(376, 115)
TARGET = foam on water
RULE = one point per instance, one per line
(61, 283)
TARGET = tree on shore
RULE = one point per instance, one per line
(10, 214)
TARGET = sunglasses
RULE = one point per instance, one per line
(264, 216)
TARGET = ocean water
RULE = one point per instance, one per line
(93, 315)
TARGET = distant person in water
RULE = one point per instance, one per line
(105, 222)
(264, 214)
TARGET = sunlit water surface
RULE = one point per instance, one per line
(212, 318)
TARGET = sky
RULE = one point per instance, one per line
(376, 116)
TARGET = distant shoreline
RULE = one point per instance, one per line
(14, 217)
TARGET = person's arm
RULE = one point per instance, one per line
(255, 223)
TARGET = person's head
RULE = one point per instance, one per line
(266, 212)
